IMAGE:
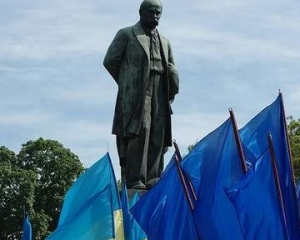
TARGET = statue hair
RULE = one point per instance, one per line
(146, 3)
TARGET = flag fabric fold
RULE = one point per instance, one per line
(92, 208)
(27, 229)
(212, 164)
(298, 193)
(163, 212)
(257, 203)
(271, 120)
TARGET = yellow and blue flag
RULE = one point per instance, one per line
(92, 208)
(132, 229)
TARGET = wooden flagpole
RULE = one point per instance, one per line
(238, 141)
(287, 138)
(183, 179)
(276, 177)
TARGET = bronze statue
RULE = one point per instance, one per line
(140, 60)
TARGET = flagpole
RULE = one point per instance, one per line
(287, 138)
(238, 141)
(275, 174)
(182, 177)
(290, 154)
(177, 152)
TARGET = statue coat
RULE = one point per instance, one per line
(128, 61)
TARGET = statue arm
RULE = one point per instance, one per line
(172, 75)
(115, 54)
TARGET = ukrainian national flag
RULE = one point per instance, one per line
(92, 208)
(132, 229)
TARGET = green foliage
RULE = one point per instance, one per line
(294, 137)
(191, 147)
(7, 157)
(16, 192)
(37, 179)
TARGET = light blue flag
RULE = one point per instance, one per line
(212, 164)
(132, 229)
(255, 142)
(163, 212)
(92, 208)
(139, 233)
(257, 203)
(27, 229)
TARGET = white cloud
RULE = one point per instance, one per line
(54, 30)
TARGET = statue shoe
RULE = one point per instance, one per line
(136, 185)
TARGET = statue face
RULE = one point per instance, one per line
(150, 13)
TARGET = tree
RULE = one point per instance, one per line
(16, 191)
(294, 137)
(37, 178)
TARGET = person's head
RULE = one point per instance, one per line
(150, 12)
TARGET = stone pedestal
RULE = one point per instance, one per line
(131, 193)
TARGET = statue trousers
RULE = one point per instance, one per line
(144, 154)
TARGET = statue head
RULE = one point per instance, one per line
(150, 12)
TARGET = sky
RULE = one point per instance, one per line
(230, 54)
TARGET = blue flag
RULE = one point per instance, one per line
(132, 229)
(255, 142)
(92, 208)
(298, 194)
(163, 212)
(170, 164)
(212, 164)
(27, 229)
(139, 233)
(257, 203)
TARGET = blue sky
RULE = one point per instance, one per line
(234, 53)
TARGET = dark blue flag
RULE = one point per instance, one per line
(163, 212)
(212, 164)
(298, 194)
(257, 203)
(255, 142)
